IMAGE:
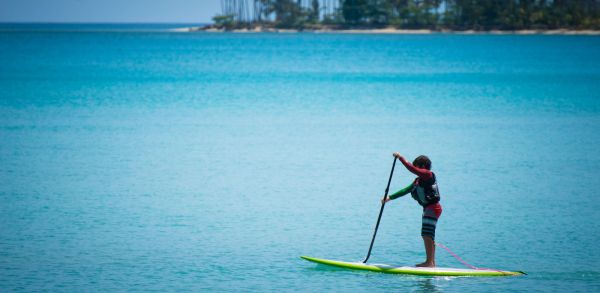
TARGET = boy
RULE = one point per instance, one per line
(425, 191)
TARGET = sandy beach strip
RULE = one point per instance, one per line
(259, 29)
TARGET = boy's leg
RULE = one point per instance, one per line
(429, 251)
(430, 218)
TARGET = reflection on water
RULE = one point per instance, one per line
(427, 284)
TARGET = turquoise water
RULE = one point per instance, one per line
(149, 161)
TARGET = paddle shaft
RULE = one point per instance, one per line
(387, 189)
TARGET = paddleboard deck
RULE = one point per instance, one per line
(408, 270)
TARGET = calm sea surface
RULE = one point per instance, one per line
(134, 160)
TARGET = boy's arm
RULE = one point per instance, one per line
(402, 192)
(422, 173)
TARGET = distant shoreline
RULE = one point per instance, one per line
(389, 30)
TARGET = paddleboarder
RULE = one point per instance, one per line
(425, 191)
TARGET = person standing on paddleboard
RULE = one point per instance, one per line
(425, 191)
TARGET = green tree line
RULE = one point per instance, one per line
(430, 14)
(474, 14)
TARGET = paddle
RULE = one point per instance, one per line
(387, 189)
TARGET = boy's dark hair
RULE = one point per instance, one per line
(422, 162)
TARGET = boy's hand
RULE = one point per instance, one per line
(397, 155)
(386, 199)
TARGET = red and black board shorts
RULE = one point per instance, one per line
(431, 214)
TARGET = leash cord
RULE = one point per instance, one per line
(461, 260)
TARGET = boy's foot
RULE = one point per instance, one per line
(426, 265)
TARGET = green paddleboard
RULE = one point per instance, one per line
(407, 270)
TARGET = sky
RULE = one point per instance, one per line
(120, 11)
